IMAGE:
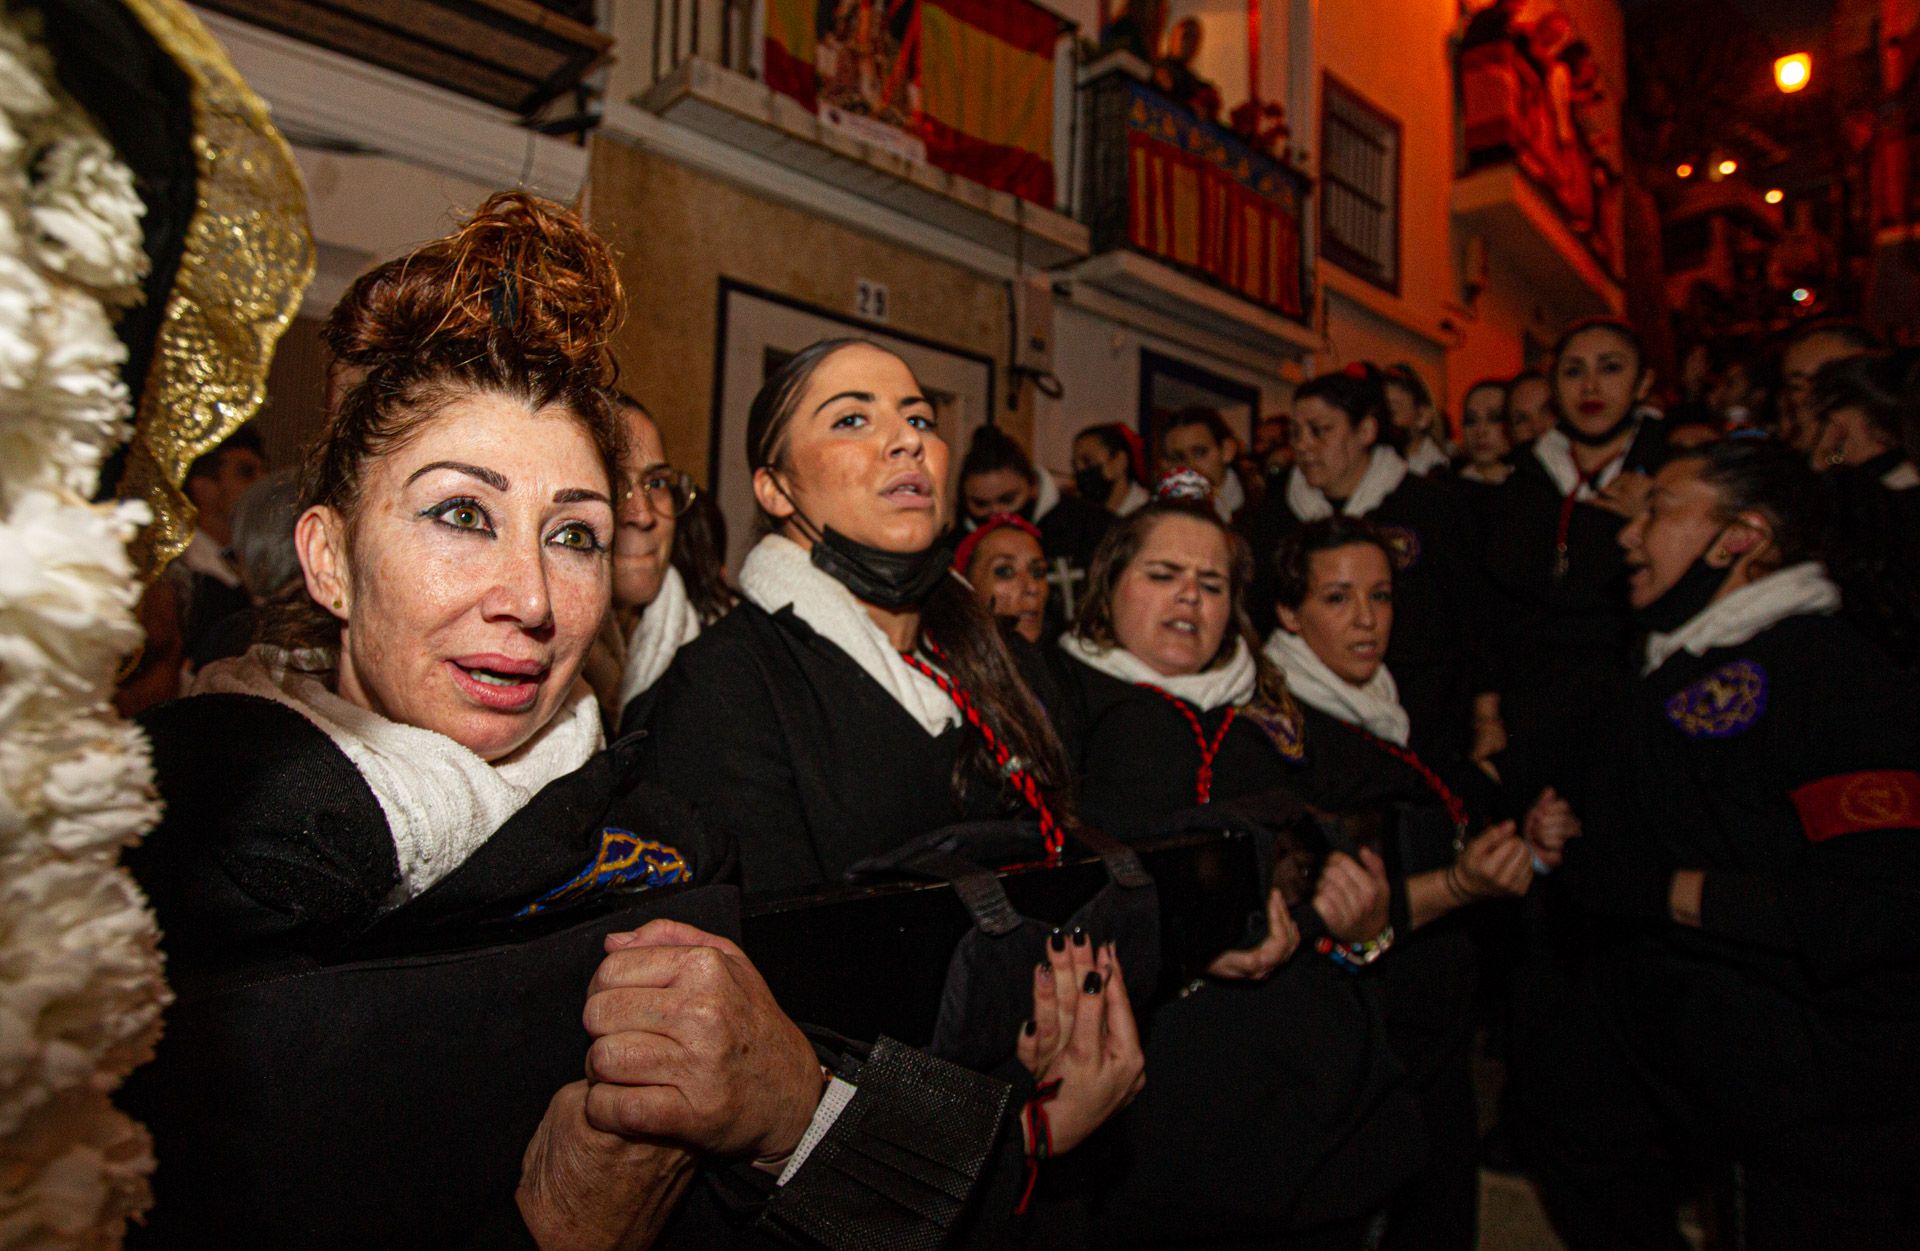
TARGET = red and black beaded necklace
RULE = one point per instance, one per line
(1016, 774)
(1203, 781)
(1455, 806)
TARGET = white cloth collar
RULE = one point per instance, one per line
(1427, 456)
(1902, 477)
(1133, 501)
(1375, 707)
(778, 573)
(203, 555)
(1554, 451)
(1797, 590)
(1232, 683)
(441, 801)
(666, 625)
(1046, 495)
(1231, 497)
(1384, 473)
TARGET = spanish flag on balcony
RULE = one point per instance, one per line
(972, 78)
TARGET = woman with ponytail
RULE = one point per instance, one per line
(861, 695)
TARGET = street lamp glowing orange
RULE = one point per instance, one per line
(1775, 196)
(1790, 73)
(1684, 171)
(1728, 168)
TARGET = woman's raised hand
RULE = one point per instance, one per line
(1551, 825)
(1495, 863)
(1352, 897)
(1083, 1036)
(690, 1047)
(1256, 964)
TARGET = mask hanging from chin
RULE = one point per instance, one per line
(1604, 437)
(1685, 599)
(889, 580)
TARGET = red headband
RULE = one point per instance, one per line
(1136, 450)
(963, 555)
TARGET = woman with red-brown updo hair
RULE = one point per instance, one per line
(396, 846)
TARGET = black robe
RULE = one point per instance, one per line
(342, 1070)
(1876, 545)
(1782, 1032)
(1428, 978)
(1271, 1108)
(1437, 598)
(1559, 648)
(777, 736)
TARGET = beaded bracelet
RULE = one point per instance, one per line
(1356, 956)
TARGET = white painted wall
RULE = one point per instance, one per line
(1098, 364)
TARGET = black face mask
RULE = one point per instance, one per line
(1685, 599)
(889, 580)
(1605, 437)
(1092, 485)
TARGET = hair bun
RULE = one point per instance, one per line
(524, 280)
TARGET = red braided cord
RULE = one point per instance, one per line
(1203, 782)
(1039, 1136)
(1054, 839)
(1455, 806)
(1562, 531)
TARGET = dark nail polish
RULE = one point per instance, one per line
(1028, 1028)
(1079, 937)
(1057, 940)
(1092, 984)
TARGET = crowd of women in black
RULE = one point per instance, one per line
(477, 808)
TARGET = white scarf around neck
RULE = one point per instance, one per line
(1231, 497)
(1232, 683)
(1385, 471)
(666, 625)
(1427, 456)
(441, 801)
(778, 573)
(1797, 590)
(1133, 501)
(1554, 451)
(1374, 707)
(1902, 477)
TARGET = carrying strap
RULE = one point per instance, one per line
(985, 896)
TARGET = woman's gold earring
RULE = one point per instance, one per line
(336, 605)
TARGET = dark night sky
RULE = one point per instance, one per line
(1782, 19)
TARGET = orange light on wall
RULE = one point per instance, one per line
(1684, 171)
(1791, 73)
(1728, 168)
(1775, 196)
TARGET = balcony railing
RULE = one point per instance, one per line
(1193, 195)
(1510, 116)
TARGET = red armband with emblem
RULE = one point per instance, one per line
(1884, 799)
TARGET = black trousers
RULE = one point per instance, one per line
(1614, 1151)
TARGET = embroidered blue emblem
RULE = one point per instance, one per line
(1280, 724)
(1404, 543)
(625, 861)
(1723, 703)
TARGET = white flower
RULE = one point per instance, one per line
(23, 92)
(81, 1174)
(67, 598)
(87, 215)
(80, 981)
(24, 300)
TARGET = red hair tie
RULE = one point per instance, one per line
(1136, 450)
(1357, 369)
(963, 555)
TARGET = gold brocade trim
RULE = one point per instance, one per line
(247, 260)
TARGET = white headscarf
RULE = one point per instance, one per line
(1232, 683)
(1375, 706)
(778, 573)
(441, 801)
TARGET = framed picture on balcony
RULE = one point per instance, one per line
(760, 329)
(1359, 186)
